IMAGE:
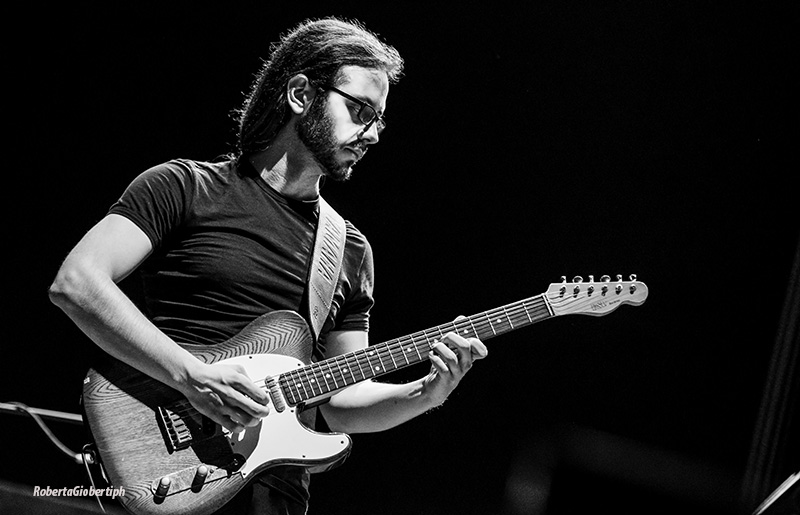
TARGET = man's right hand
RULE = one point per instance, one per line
(226, 395)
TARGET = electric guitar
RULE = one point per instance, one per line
(169, 459)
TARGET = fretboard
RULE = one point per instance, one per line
(327, 376)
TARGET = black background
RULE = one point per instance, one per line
(525, 142)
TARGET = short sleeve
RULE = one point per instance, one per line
(354, 314)
(156, 200)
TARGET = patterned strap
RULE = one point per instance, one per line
(326, 264)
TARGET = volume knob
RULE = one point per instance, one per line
(162, 489)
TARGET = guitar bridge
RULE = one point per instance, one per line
(177, 434)
(179, 427)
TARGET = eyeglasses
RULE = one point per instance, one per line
(366, 113)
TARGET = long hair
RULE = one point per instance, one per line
(318, 49)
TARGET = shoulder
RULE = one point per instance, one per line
(358, 251)
(187, 177)
(356, 241)
(355, 236)
(191, 171)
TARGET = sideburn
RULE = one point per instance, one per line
(316, 131)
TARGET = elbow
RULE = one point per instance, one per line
(334, 419)
(64, 291)
(341, 420)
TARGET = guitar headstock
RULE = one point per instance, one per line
(594, 298)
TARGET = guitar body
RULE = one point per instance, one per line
(147, 434)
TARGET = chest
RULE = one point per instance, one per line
(237, 251)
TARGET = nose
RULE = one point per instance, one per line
(369, 134)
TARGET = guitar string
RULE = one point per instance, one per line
(393, 348)
(390, 349)
(389, 353)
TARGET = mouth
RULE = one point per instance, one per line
(358, 152)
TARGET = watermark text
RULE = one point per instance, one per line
(78, 491)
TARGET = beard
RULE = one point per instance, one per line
(315, 131)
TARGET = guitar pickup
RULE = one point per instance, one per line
(275, 394)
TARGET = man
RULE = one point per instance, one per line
(219, 244)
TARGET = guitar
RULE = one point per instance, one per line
(170, 459)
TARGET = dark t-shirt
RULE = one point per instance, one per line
(228, 248)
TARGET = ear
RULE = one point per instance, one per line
(299, 93)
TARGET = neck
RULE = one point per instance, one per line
(289, 169)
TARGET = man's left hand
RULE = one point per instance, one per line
(451, 358)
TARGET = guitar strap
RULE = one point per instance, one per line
(326, 264)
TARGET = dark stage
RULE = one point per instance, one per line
(525, 143)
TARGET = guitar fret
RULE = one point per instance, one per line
(414, 346)
(503, 321)
(332, 375)
(373, 368)
(527, 313)
(311, 379)
(359, 365)
(287, 390)
(394, 363)
(490, 324)
(349, 368)
(317, 378)
(295, 382)
(343, 372)
(472, 326)
(508, 318)
(547, 305)
(324, 378)
(303, 383)
(400, 344)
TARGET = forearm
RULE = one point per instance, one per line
(110, 319)
(370, 406)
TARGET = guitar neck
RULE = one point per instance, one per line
(327, 376)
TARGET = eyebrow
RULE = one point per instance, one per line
(366, 101)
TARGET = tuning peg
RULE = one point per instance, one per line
(563, 289)
(605, 279)
(633, 277)
(619, 277)
(577, 289)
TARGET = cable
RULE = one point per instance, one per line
(74, 456)
(88, 456)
